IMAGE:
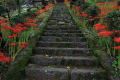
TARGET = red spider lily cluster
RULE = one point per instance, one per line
(107, 7)
(100, 27)
(18, 34)
(67, 2)
(4, 59)
(104, 32)
(41, 12)
(77, 9)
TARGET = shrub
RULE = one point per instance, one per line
(113, 20)
(93, 11)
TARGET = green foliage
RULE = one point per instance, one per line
(93, 11)
(85, 6)
(118, 3)
(21, 18)
(99, 51)
(3, 9)
(78, 2)
(113, 20)
(17, 72)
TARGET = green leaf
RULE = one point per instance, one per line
(114, 63)
(99, 51)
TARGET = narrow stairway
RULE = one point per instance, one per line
(62, 52)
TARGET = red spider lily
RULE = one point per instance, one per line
(5, 59)
(37, 13)
(81, 22)
(103, 13)
(73, 6)
(1, 54)
(36, 29)
(24, 43)
(24, 28)
(116, 7)
(90, 16)
(99, 26)
(22, 46)
(42, 10)
(116, 31)
(116, 47)
(98, 17)
(18, 28)
(91, 19)
(48, 6)
(19, 25)
(105, 33)
(30, 20)
(84, 14)
(117, 39)
(12, 44)
(99, 4)
(13, 35)
(77, 8)
(68, 2)
(30, 24)
(8, 27)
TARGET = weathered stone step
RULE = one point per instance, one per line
(61, 28)
(62, 31)
(58, 20)
(65, 19)
(58, 17)
(62, 51)
(64, 60)
(62, 39)
(63, 44)
(63, 34)
(37, 72)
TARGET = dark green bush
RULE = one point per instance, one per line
(113, 20)
(21, 18)
(2, 10)
(118, 3)
(105, 0)
(93, 11)
(78, 2)
(84, 6)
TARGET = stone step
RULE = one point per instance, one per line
(62, 51)
(61, 28)
(63, 44)
(64, 60)
(57, 20)
(62, 39)
(63, 34)
(57, 28)
(37, 72)
(62, 31)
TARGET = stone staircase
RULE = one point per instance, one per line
(62, 52)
